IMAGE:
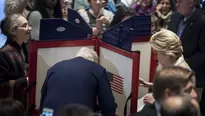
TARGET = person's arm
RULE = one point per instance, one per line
(198, 58)
(34, 21)
(105, 97)
(144, 83)
(7, 75)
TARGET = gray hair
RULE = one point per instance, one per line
(15, 6)
(9, 24)
(88, 54)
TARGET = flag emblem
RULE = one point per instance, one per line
(116, 83)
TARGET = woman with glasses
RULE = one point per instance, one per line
(13, 69)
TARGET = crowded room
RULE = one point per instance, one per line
(102, 57)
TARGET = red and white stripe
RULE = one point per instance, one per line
(117, 84)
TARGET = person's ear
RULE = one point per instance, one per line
(13, 31)
(168, 93)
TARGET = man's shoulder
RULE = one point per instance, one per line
(199, 16)
(176, 15)
(148, 110)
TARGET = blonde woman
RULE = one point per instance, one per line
(168, 51)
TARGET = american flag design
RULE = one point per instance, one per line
(116, 83)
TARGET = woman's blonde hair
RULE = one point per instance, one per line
(168, 43)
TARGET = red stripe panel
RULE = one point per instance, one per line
(120, 91)
(117, 85)
(117, 80)
(117, 77)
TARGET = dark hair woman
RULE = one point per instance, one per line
(164, 11)
(123, 13)
(43, 9)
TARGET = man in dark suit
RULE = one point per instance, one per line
(78, 81)
(189, 24)
(169, 82)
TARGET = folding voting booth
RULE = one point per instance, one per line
(147, 61)
(45, 54)
(122, 34)
(58, 29)
(131, 35)
(123, 68)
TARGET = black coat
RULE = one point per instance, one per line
(193, 42)
(77, 81)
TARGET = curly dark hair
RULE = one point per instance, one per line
(122, 11)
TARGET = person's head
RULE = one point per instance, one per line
(51, 4)
(185, 7)
(15, 6)
(88, 54)
(146, 3)
(123, 13)
(16, 28)
(180, 106)
(75, 110)
(43, 5)
(167, 47)
(96, 5)
(166, 6)
(155, 24)
(9, 107)
(173, 81)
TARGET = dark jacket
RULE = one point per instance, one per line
(193, 42)
(77, 81)
(12, 67)
(148, 110)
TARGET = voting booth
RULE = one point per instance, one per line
(147, 61)
(58, 29)
(122, 34)
(121, 64)
(59, 40)
(61, 44)
(134, 35)
(43, 55)
(131, 35)
(124, 69)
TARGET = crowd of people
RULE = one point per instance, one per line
(72, 87)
